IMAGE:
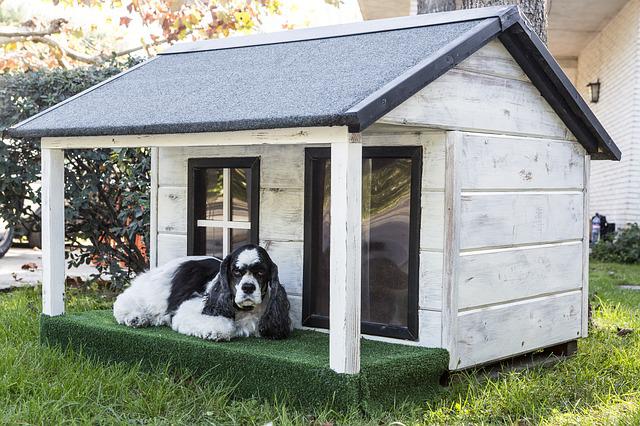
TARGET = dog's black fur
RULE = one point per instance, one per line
(190, 279)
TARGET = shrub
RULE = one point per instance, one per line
(623, 247)
(107, 191)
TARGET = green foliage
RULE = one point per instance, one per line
(623, 247)
(107, 201)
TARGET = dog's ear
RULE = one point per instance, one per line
(275, 322)
(219, 301)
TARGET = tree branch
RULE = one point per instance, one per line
(73, 54)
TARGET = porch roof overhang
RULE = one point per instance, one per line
(345, 75)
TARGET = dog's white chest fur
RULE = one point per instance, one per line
(247, 321)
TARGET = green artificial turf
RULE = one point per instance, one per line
(295, 369)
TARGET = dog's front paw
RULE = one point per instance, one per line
(217, 336)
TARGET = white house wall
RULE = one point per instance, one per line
(613, 57)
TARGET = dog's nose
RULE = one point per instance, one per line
(248, 288)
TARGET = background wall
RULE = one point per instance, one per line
(613, 56)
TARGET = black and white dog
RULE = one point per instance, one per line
(203, 297)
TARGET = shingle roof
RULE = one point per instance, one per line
(347, 75)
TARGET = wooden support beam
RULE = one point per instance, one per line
(584, 332)
(452, 195)
(345, 263)
(293, 136)
(153, 237)
(53, 263)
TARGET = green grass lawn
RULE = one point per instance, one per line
(600, 385)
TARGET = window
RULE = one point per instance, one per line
(391, 179)
(223, 205)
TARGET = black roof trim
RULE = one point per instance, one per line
(504, 13)
(545, 73)
(376, 105)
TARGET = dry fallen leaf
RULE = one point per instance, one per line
(15, 277)
(623, 331)
(30, 266)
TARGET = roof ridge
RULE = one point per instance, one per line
(505, 13)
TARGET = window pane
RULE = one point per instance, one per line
(386, 196)
(213, 245)
(214, 194)
(239, 238)
(239, 195)
(321, 238)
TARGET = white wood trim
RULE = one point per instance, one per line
(53, 263)
(451, 247)
(345, 262)
(300, 135)
(153, 232)
(585, 250)
(224, 224)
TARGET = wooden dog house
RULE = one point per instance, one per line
(427, 175)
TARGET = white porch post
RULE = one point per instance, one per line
(345, 263)
(53, 273)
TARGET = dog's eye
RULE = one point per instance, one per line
(236, 272)
(260, 273)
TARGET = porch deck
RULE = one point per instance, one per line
(296, 368)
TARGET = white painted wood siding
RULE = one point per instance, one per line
(521, 237)
(485, 93)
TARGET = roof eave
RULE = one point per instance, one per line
(346, 119)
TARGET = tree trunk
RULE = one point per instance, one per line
(535, 11)
(431, 6)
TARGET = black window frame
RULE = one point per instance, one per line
(312, 196)
(196, 237)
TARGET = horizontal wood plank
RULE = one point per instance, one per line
(171, 246)
(494, 59)
(432, 221)
(430, 328)
(511, 218)
(172, 210)
(281, 214)
(288, 256)
(281, 166)
(470, 101)
(431, 280)
(496, 162)
(502, 331)
(500, 276)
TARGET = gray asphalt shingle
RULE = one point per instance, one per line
(304, 83)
